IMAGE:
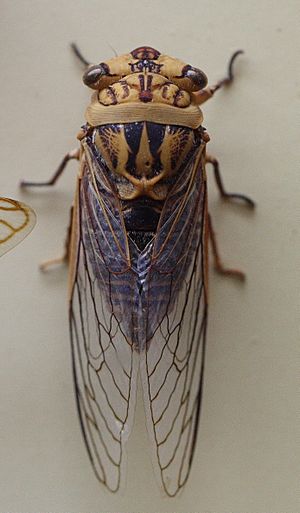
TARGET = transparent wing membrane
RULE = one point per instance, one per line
(105, 363)
(141, 311)
(172, 367)
(16, 222)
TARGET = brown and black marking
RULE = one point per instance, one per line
(145, 52)
(144, 161)
(149, 156)
(145, 60)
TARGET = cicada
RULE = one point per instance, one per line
(16, 222)
(138, 259)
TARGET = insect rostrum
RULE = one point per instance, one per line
(138, 251)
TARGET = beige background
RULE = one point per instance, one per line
(247, 458)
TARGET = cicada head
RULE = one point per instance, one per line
(144, 85)
(145, 59)
(146, 124)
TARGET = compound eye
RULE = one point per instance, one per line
(197, 76)
(93, 74)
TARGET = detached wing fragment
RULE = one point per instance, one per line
(16, 222)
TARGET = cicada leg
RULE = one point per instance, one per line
(226, 195)
(69, 156)
(64, 259)
(217, 260)
(205, 94)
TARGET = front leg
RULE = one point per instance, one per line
(207, 93)
(226, 195)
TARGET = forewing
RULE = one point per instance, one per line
(16, 222)
(172, 366)
(104, 361)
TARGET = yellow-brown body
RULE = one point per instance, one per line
(139, 260)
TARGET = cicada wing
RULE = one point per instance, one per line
(16, 222)
(172, 364)
(104, 362)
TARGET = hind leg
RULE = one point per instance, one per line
(217, 260)
(64, 259)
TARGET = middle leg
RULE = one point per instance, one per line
(226, 195)
(75, 154)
